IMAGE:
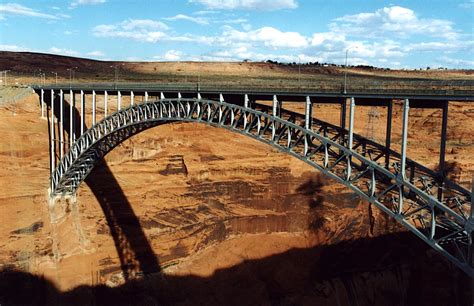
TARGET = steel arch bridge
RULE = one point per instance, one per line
(441, 225)
(435, 209)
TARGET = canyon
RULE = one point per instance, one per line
(188, 214)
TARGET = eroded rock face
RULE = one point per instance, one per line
(218, 215)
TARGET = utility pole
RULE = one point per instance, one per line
(199, 77)
(39, 76)
(55, 73)
(345, 70)
(345, 73)
(299, 74)
(71, 75)
(5, 76)
(116, 74)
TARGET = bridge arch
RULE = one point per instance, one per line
(443, 228)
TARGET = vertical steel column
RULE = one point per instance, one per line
(106, 95)
(82, 112)
(351, 123)
(388, 133)
(442, 149)
(61, 116)
(42, 103)
(308, 114)
(119, 100)
(93, 107)
(274, 113)
(351, 137)
(132, 96)
(406, 108)
(146, 96)
(246, 105)
(52, 132)
(275, 106)
(342, 136)
(71, 118)
(221, 99)
(343, 113)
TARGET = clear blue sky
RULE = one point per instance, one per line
(396, 34)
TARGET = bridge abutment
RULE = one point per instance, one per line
(67, 234)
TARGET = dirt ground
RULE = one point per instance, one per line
(217, 215)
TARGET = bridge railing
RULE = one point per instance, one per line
(452, 88)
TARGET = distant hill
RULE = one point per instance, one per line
(31, 63)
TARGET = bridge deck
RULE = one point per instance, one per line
(286, 94)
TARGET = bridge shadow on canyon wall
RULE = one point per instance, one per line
(133, 248)
(394, 269)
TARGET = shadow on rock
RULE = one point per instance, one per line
(312, 189)
(134, 250)
(395, 269)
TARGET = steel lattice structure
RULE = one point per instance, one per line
(375, 173)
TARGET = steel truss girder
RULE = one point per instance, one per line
(443, 225)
